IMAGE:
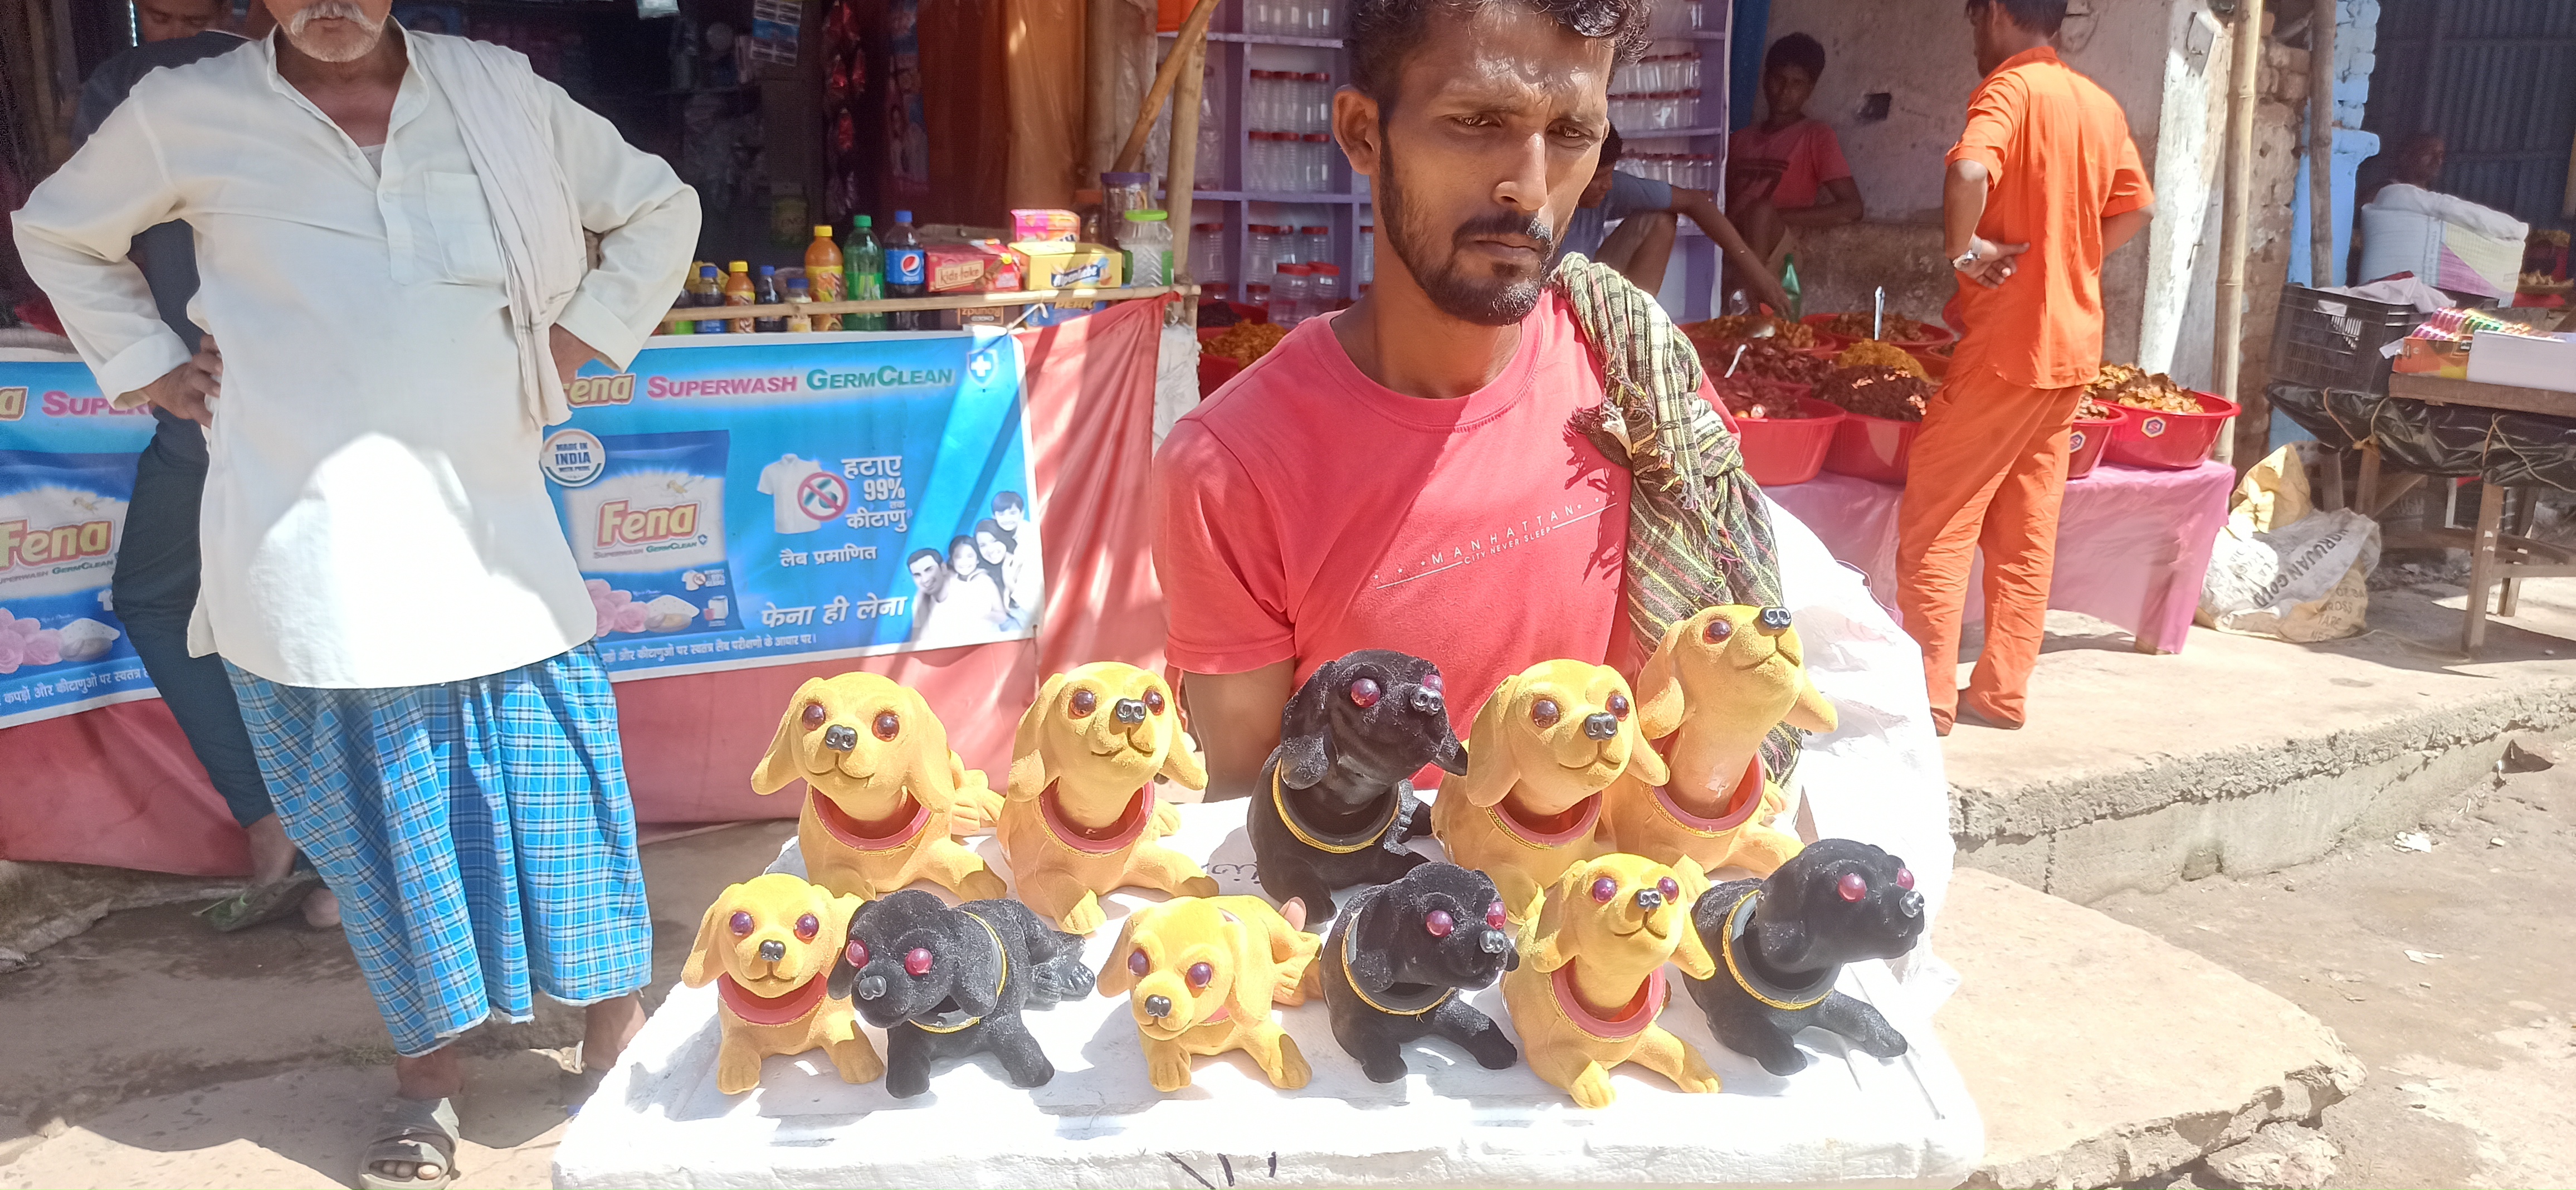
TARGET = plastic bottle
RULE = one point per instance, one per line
(706, 292)
(1323, 291)
(799, 295)
(739, 291)
(685, 301)
(765, 290)
(1260, 252)
(866, 266)
(1314, 243)
(907, 272)
(1288, 295)
(1318, 162)
(1207, 253)
(823, 274)
(1147, 239)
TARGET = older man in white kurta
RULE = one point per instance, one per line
(383, 568)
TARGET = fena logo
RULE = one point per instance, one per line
(619, 524)
(62, 543)
(600, 390)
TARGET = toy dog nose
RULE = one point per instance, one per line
(1649, 899)
(839, 738)
(871, 987)
(1911, 904)
(1775, 618)
(1129, 711)
(773, 950)
(1429, 702)
(1495, 942)
(1158, 1007)
(1600, 725)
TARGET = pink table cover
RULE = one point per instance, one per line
(2132, 544)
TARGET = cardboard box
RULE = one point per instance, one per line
(978, 266)
(2526, 362)
(1069, 266)
(1045, 226)
(2435, 357)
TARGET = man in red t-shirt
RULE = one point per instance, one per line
(1402, 475)
(1786, 173)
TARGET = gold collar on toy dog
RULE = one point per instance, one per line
(1751, 981)
(954, 1019)
(1333, 844)
(1413, 1005)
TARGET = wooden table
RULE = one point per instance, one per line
(2496, 558)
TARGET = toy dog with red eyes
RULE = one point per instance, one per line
(1589, 995)
(1337, 802)
(1081, 819)
(1200, 975)
(1543, 748)
(885, 793)
(770, 944)
(1711, 693)
(1400, 954)
(1782, 941)
(950, 983)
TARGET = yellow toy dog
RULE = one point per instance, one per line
(1715, 686)
(1587, 998)
(1081, 819)
(770, 943)
(1201, 973)
(1543, 748)
(886, 793)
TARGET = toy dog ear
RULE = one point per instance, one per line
(1303, 725)
(1030, 772)
(1546, 951)
(1811, 712)
(930, 772)
(780, 766)
(1691, 952)
(694, 973)
(1644, 763)
(1377, 924)
(972, 994)
(1491, 771)
(1179, 763)
(1115, 979)
(1660, 709)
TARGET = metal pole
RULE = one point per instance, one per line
(1184, 157)
(2321, 126)
(2227, 354)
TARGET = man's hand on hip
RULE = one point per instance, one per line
(569, 351)
(190, 389)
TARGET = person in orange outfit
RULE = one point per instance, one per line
(2043, 183)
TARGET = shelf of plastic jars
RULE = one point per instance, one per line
(1319, 43)
(1287, 196)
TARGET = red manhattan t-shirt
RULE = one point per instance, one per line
(1305, 511)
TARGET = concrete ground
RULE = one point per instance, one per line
(148, 1052)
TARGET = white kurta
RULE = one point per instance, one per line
(373, 515)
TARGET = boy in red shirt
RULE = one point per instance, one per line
(1402, 474)
(1787, 173)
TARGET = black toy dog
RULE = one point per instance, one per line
(1781, 942)
(1336, 800)
(1395, 962)
(947, 983)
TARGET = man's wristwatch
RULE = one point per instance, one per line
(1964, 259)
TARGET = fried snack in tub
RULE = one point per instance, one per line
(1872, 351)
(1874, 391)
(1899, 328)
(1245, 341)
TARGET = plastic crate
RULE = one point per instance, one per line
(2327, 340)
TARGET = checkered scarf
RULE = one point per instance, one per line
(1698, 531)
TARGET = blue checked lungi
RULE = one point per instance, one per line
(478, 834)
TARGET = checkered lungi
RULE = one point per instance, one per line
(478, 834)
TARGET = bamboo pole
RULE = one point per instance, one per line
(955, 301)
(1184, 157)
(2227, 354)
(2321, 126)
(1193, 32)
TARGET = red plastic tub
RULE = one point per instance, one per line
(1214, 371)
(2169, 441)
(1935, 357)
(1779, 451)
(1872, 447)
(2086, 442)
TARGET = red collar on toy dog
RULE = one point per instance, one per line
(1740, 804)
(1555, 831)
(758, 1009)
(851, 831)
(1116, 836)
(1632, 1019)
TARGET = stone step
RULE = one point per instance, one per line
(2101, 1055)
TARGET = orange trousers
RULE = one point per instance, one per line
(1988, 470)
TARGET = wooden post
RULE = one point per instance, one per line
(1193, 33)
(2228, 351)
(2321, 126)
(1184, 157)
(2482, 566)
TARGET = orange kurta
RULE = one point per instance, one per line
(1989, 469)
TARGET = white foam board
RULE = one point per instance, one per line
(1848, 1119)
